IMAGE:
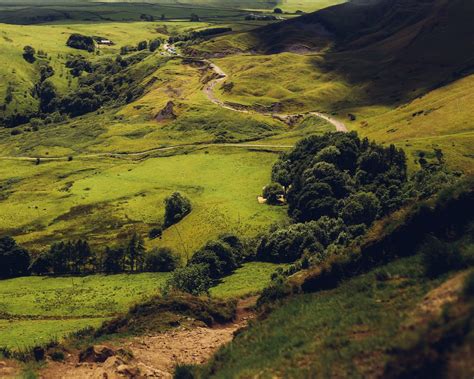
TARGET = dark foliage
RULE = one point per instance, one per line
(176, 208)
(161, 260)
(215, 260)
(14, 260)
(81, 42)
(449, 219)
(29, 54)
(326, 172)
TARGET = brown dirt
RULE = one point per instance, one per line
(9, 369)
(155, 355)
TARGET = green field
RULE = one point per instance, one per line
(103, 198)
(251, 278)
(38, 309)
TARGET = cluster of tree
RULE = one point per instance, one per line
(108, 82)
(72, 257)
(14, 260)
(77, 64)
(77, 257)
(336, 186)
(151, 45)
(81, 42)
(314, 238)
(199, 34)
(330, 174)
(215, 260)
(147, 17)
(177, 207)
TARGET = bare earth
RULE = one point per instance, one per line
(154, 356)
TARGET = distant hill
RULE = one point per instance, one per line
(412, 37)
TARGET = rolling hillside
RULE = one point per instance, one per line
(393, 65)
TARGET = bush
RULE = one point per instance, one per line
(81, 42)
(193, 279)
(439, 257)
(176, 208)
(29, 54)
(184, 372)
(273, 193)
(155, 232)
(161, 260)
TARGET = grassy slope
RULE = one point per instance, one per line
(286, 5)
(116, 196)
(251, 278)
(38, 309)
(423, 65)
(344, 332)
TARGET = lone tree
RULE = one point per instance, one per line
(176, 208)
(29, 54)
(194, 18)
(278, 11)
(14, 260)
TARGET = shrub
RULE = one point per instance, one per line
(193, 279)
(176, 208)
(161, 260)
(273, 193)
(184, 372)
(439, 257)
(29, 54)
(81, 42)
(155, 232)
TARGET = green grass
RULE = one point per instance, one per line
(89, 296)
(36, 310)
(251, 278)
(346, 331)
(103, 198)
(21, 335)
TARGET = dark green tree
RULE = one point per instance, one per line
(176, 208)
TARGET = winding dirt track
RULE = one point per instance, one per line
(222, 76)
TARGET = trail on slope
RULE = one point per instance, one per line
(221, 77)
(155, 355)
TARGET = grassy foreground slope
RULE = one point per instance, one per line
(398, 303)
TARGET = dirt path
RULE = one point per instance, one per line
(143, 153)
(155, 356)
(221, 77)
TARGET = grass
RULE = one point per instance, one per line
(251, 278)
(103, 198)
(21, 335)
(89, 296)
(38, 309)
(347, 331)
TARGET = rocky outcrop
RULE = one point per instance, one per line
(96, 354)
(167, 113)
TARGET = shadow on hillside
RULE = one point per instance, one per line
(392, 51)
